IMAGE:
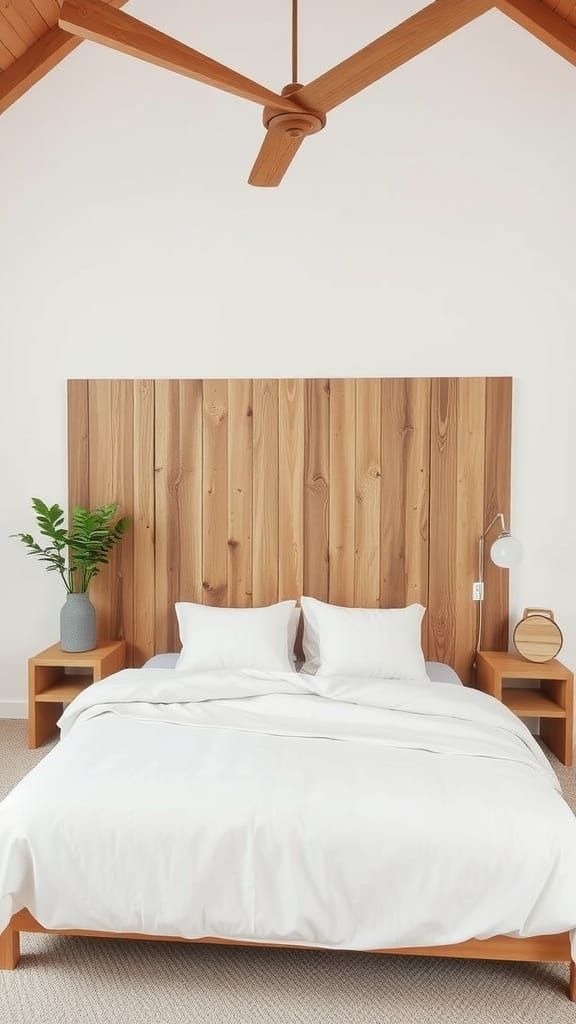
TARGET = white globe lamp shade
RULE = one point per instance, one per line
(506, 551)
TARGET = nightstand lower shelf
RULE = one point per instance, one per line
(531, 703)
(64, 692)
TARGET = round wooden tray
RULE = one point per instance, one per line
(537, 637)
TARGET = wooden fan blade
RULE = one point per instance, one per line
(390, 51)
(92, 19)
(276, 154)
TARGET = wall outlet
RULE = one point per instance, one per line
(477, 591)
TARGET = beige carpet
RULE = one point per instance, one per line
(81, 981)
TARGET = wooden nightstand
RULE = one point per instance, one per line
(552, 702)
(49, 687)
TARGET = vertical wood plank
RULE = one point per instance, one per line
(265, 491)
(468, 516)
(367, 545)
(240, 421)
(111, 448)
(190, 492)
(497, 499)
(143, 522)
(78, 445)
(405, 493)
(215, 488)
(443, 490)
(316, 488)
(290, 489)
(342, 492)
(166, 479)
(456, 511)
(178, 502)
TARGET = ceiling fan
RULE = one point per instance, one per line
(299, 110)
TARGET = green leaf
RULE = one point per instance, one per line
(92, 536)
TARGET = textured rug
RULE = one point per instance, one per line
(81, 981)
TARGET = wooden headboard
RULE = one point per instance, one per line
(360, 492)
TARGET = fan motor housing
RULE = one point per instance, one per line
(296, 125)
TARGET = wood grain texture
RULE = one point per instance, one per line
(405, 492)
(215, 492)
(290, 488)
(443, 496)
(52, 46)
(368, 477)
(563, 9)
(143, 524)
(469, 519)
(23, 12)
(369, 492)
(7, 59)
(78, 444)
(538, 948)
(49, 9)
(9, 948)
(537, 637)
(167, 476)
(179, 503)
(32, 43)
(556, 31)
(342, 494)
(240, 454)
(274, 157)
(498, 453)
(401, 44)
(189, 553)
(95, 20)
(316, 488)
(13, 39)
(265, 491)
(111, 461)
(456, 517)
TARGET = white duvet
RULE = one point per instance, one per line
(246, 806)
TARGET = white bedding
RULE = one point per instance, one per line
(421, 816)
(436, 671)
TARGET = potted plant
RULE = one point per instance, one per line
(77, 555)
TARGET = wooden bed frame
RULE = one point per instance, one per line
(539, 949)
(244, 492)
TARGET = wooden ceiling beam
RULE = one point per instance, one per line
(421, 31)
(42, 56)
(541, 21)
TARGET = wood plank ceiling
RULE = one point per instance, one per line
(31, 42)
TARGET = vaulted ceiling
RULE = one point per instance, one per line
(32, 42)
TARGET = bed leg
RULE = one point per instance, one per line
(9, 948)
(572, 982)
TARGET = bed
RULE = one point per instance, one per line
(396, 815)
(284, 809)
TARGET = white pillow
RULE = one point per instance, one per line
(370, 642)
(236, 638)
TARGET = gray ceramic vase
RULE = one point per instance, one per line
(78, 624)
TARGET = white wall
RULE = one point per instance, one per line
(428, 230)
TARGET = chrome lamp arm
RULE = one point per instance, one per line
(506, 552)
(504, 532)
